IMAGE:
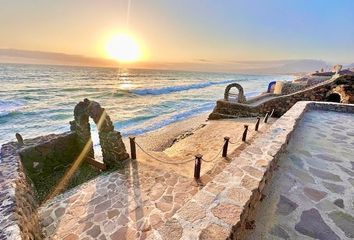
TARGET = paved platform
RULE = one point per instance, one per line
(119, 205)
(311, 194)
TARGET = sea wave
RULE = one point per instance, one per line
(172, 89)
(9, 107)
(168, 120)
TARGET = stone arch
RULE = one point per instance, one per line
(240, 98)
(113, 148)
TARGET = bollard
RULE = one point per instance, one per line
(226, 144)
(197, 166)
(266, 117)
(257, 123)
(132, 148)
(271, 114)
(244, 136)
(19, 138)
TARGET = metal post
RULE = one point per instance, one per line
(271, 114)
(226, 144)
(257, 123)
(266, 117)
(132, 148)
(197, 166)
(244, 136)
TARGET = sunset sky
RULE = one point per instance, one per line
(183, 31)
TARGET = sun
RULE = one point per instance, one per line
(123, 48)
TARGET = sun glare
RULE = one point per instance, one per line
(123, 48)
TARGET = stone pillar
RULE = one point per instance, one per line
(81, 126)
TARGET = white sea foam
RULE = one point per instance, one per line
(7, 107)
(167, 90)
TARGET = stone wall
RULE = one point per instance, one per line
(46, 158)
(290, 87)
(226, 206)
(18, 216)
(343, 85)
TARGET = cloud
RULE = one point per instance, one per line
(205, 65)
(26, 56)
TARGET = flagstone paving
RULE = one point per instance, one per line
(311, 196)
(119, 205)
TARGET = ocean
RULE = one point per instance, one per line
(37, 99)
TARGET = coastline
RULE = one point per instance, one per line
(163, 138)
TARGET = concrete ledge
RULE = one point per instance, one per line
(225, 207)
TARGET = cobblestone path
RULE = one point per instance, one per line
(311, 196)
(119, 205)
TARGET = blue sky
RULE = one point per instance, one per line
(186, 30)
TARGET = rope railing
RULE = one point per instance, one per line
(216, 156)
(199, 158)
(160, 160)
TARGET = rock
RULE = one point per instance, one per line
(227, 212)
(94, 232)
(314, 194)
(172, 230)
(285, 206)
(191, 212)
(279, 232)
(59, 212)
(349, 172)
(339, 202)
(297, 161)
(249, 182)
(325, 175)
(335, 188)
(311, 224)
(344, 221)
(213, 231)
(327, 157)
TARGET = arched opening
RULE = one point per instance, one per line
(97, 149)
(334, 97)
(232, 96)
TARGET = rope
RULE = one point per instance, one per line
(237, 141)
(159, 160)
(215, 155)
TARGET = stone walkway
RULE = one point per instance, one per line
(120, 205)
(311, 196)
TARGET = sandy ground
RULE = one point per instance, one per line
(181, 141)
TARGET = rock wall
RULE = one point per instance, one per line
(343, 85)
(45, 160)
(18, 208)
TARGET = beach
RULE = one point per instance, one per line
(174, 147)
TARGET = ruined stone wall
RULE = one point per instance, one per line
(46, 158)
(18, 208)
(290, 87)
(343, 85)
(113, 148)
